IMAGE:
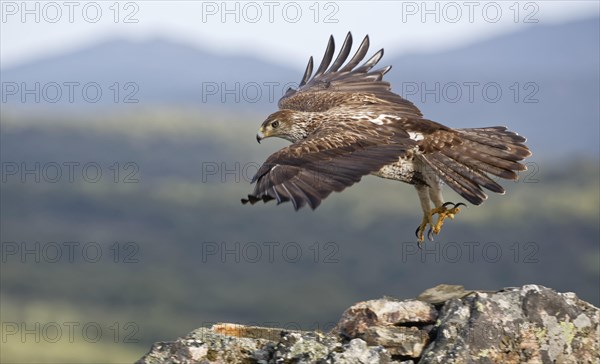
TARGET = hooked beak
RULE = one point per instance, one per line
(259, 136)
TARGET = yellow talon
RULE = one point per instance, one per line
(427, 220)
(443, 213)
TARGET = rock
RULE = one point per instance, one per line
(395, 325)
(382, 312)
(304, 348)
(532, 324)
(250, 332)
(204, 346)
(402, 341)
(442, 293)
(529, 324)
(358, 352)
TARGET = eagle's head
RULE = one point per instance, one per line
(286, 124)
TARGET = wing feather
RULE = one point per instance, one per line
(307, 72)
(358, 56)
(332, 159)
(326, 57)
(332, 86)
(371, 62)
(343, 55)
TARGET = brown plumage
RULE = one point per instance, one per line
(344, 122)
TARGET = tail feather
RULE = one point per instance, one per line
(469, 173)
(495, 133)
(509, 152)
(485, 167)
(465, 187)
(482, 151)
(472, 156)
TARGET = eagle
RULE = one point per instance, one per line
(344, 122)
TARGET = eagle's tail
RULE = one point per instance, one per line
(483, 153)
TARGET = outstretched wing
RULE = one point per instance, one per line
(333, 85)
(336, 156)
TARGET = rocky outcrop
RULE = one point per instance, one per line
(445, 324)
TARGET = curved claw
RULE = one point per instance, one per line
(454, 205)
(430, 234)
(417, 231)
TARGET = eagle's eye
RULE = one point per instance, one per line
(275, 124)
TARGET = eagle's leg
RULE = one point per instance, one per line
(424, 198)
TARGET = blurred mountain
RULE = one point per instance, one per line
(537, 49)
(165, 72)
(543, 77)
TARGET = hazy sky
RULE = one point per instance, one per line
(275, 30)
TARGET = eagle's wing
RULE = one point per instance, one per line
(334, 157)
(333, 85)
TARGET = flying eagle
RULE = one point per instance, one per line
(344, 122)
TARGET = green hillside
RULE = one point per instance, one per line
(159, 244)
